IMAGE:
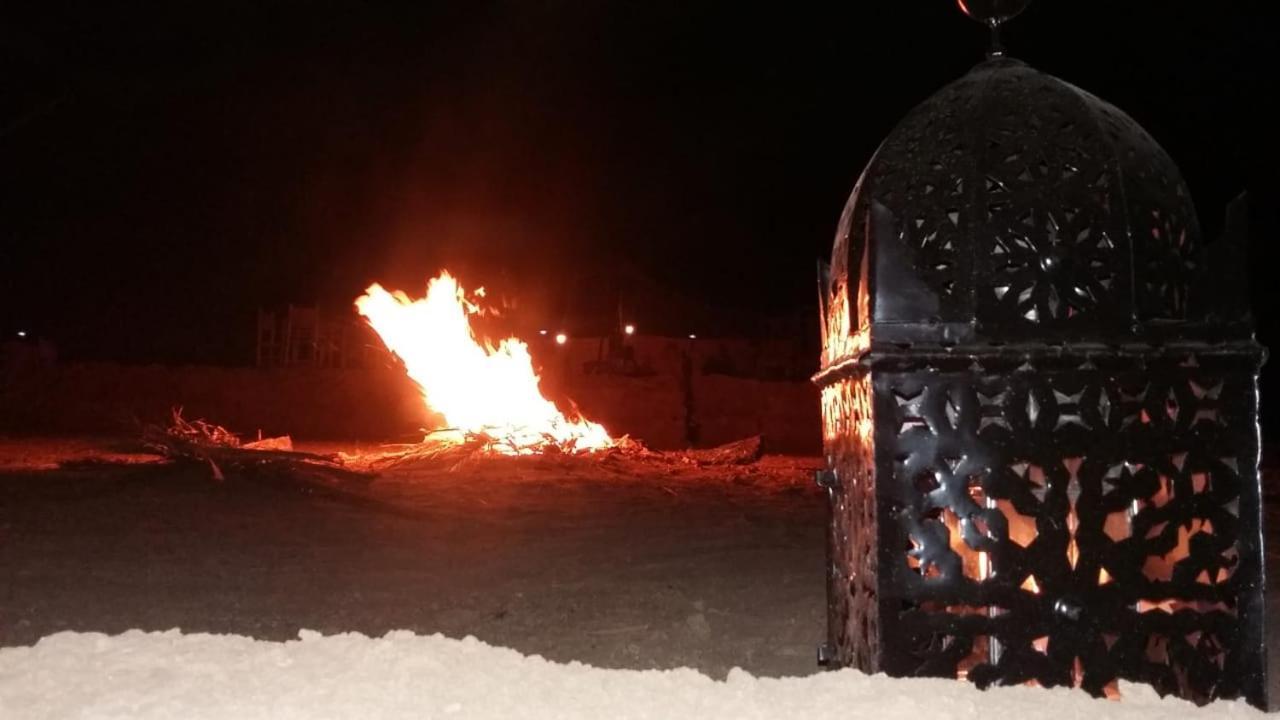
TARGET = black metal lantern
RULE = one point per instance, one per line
(1039, 397)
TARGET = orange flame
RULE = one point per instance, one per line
(478, 388)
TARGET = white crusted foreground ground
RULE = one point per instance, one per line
(171, 675)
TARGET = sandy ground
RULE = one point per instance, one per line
(677, 567)
(163, 676)
(674, 569)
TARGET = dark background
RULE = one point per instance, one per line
(167, 168)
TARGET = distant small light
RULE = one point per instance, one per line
(693, 337)
(542, 332)
(561, 338)
(629, 329)
(22, 333)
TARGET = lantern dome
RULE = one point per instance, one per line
(1012, 205)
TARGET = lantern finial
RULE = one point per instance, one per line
(993, 14)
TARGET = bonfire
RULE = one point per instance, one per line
(485, 392)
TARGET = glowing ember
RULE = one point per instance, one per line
(479, 389)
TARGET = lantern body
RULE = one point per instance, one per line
(1039, 396)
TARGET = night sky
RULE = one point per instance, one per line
(167, 168)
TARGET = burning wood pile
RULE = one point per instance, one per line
(225, 454)
(488, 396)
(486, 393)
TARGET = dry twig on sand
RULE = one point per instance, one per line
(741, 452)
(224, 453)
